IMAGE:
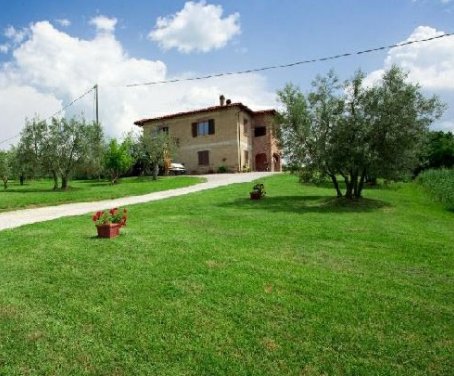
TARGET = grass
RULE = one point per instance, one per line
(440, 184)
(39, 192)
(215, 284)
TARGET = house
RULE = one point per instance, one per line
(229, 136)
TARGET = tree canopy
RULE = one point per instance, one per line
(57, 147)
(155, 148)
(118, 158)
(5, 169)
(355, 131)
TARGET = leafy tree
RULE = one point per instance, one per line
(354, 131)
(5, 169)
(28, 152)
(93, 164)
(56, 148)
(69, 142)
(20, 167)
(440, 150)
(118, 158)
(155, 149)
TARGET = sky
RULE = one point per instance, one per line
(52, 52)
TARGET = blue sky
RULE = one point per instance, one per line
(52, 51)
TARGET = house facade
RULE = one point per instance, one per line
(229, 136)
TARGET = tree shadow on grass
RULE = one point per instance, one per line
(308, 204)
(41, 190)
(102, 183)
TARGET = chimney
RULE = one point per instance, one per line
(222, 100)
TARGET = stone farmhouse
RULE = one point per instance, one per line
(229, 135)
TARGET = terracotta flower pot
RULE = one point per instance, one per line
(255, 195)
(108, 231)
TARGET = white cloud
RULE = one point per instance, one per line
(197, 27)
(104, 24)
(4, 48)
(18, 103)
(51, 67)
(431, 64)
(16, 36)
(63, 22)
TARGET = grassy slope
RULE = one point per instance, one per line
(40, 193)
(213, 283)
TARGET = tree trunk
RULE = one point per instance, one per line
(349, 191)
(5, 183)
(361, 183)
(336, 185)
(355, 185)
(349, 187)
(55, 177)
(64, 182)
(22, 179)
(113, 178)
(155, 171)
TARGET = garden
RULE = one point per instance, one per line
(215, 283)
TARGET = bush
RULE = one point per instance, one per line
(222, 170)
(440, 184)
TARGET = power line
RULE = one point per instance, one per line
(9, 139)
(56, 113)
(253, 70)
(71, 103)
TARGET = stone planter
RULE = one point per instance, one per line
(108, 231)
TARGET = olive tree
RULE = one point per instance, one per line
(5, 169)
(354, 131)
(56, 148)
(155, 148)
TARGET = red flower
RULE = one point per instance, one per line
(113, 215)
(97, 215)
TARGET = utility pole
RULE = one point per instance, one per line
(96, 103)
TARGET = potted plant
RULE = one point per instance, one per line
(258, 192)
(109, 222)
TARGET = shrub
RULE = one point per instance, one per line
(222, 170)
(440, 184)
(258, 191)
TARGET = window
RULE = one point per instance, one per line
(259, 131)
(164, 130)
(203, 128)
(204, 158)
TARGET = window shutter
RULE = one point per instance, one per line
(194, 129)
(211, 126)
(204, 157)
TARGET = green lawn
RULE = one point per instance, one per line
(215, 284)
(40, 193)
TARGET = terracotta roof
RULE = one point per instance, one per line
(203, 110)
(270, 111)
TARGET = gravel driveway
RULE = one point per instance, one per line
(27, 216)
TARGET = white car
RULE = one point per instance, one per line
(177, 169)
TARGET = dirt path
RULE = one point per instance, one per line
(27, 216)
